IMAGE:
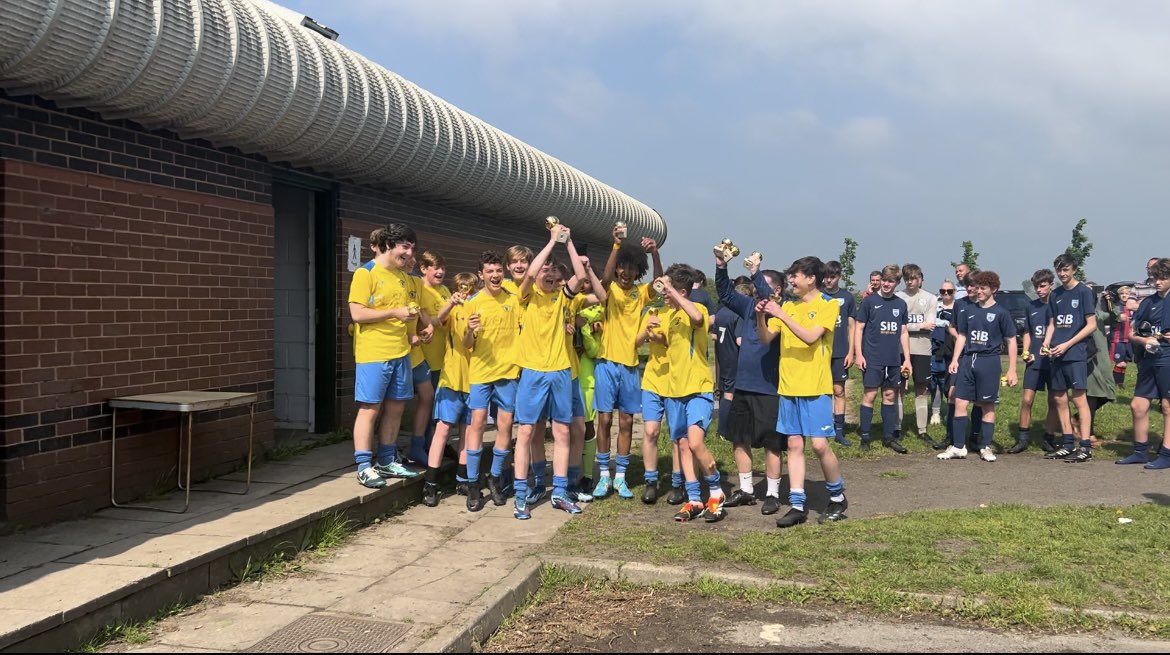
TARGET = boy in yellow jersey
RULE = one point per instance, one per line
(518, 259)
(434, 296)
(689, 398)
(381, 295)
(420, 333)
(493, 323)
(805, 327)
(655, 385)
(581, 365)
(454, 388)
(617, 383)
(546, 379)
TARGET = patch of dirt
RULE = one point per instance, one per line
(956, 547)
(601, 618)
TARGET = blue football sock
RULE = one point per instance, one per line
(498, 458)
(676, 480)
(651, 478)
(988, 435)
(521, 488)
(713, 483)
(889, 421)
(623, 463)
(959, 436)
(473, 458)
(418, 443)
(1086, 444)
(836, 489)
(603, 464)
(866, 416)
(364, 459)
(1068, 441)
(950, 421)
(574, 475)
(976, 416)
(387, 454)
(796, 498)
(839, 424)
(539, 469)
(694, 491)
(560, 485)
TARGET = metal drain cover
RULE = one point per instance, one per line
(322, 633)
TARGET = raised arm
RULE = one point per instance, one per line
(575, 262)
(683, 302)
(611, 263)
(539, 260)
(739, 303)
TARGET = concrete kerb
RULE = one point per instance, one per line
(643, 573)
(490, 611)
(183, 583)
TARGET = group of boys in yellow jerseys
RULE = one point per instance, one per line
(508, 345)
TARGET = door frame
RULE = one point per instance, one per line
(324, 235)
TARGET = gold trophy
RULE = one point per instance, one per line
(658, 287)
(465, 288)
(777, 296)
(753, 259)
(726, 250)
(620, 229)
(412, 308)
(653, 311)
(550, 223)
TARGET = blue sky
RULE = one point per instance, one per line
(787, 126)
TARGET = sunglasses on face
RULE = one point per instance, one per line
(946, 292)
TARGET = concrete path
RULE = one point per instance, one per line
(432, 579)
(61, 584)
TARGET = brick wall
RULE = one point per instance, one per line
(116, 287)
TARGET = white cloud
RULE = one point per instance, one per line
(865, 133)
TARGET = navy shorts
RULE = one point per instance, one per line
(1153, 382)
(1068, 375)
(838, 371)
(1037, 379)
(920, 369)
(978, 378)
(888, 377)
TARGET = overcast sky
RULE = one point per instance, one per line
(788, 126)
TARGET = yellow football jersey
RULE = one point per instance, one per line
(656, 377)
(805, 369)
(542, 343)
(686, 352)
(623, 315)
(494, 355)
(433, 300)
(380, 288)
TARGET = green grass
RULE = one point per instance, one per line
(1022, 612)
(1076, 557)
(134, 632)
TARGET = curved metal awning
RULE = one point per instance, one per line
(237, 73)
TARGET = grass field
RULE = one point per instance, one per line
(1018, 561)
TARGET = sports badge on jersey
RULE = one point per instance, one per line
(990, 316)
(897, 312)
(1076, 302)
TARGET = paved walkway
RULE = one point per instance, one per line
(62, 583)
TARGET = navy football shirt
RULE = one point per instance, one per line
(881, 337)
(725, 327)
(1037, 320)
(1070, 311)
(848, 304)
(1153, 310)
(985, 328)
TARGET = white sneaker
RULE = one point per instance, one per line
(986, 454)
(953, 453)
(935, 419)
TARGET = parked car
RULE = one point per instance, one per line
(1016, 302)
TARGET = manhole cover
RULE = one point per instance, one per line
(321, 633)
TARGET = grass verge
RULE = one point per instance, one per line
(1017, 562)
